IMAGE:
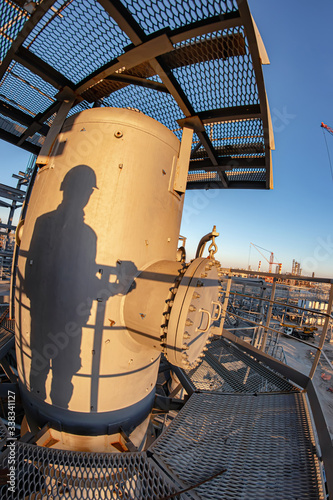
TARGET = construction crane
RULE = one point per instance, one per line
(327, 127)
(271, 258)
(330, 130)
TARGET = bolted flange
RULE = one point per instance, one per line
(189, 325)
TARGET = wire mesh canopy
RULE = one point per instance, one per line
(183, 62)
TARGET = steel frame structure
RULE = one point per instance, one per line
(162, 65)
(271, 398)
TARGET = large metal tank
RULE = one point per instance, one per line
(102, 209)
(97, 276)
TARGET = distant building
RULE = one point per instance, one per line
(296, 268)
(310, 318)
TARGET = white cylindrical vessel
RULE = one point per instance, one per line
(102, 210)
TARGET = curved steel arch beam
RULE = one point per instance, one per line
(259, 57)
(35, 17)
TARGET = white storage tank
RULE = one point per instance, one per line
(103, 210)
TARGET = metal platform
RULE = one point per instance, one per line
(264, 442)
(245, 433)
(197, 64)
(245, 446)
(226, 369)
(233, 440)
(7, 341)
(7, 333)
(3, 434)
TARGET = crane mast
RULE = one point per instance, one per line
(271, 258)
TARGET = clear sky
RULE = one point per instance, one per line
(295, 219)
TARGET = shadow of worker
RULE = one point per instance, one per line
(60, 279)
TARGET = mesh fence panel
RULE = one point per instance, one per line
(224, 78)
(15, 128)
(197, 176)
(37, 139)
(234, 175)
(265, 443)
(153, 15)
(78, 39)
(9, 125)
(236, 132)
(213, 71)
(249, 174)
(25, 90)
(233, 140)
(12, 21)
(243, 150)
(9, 325)
(157, 105)
(79, 107)
(3, 433)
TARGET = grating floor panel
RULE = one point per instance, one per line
(264, 442)
(3, 433)
(6, 340)
(5, 337)
(226, 369)
(55, 474)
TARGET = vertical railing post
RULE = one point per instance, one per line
(257, 333)
(269, 315)
(285, 308)
(323, 334)
(225, 303)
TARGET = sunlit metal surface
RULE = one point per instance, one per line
(226, 369)
(264, 442)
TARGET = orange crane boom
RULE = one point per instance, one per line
(271, 258)
(330, 130)
(327, 127)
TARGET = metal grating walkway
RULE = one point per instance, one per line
(226, 369)
(7, 341)
(55, 474)
(264, 442)
(3, 434)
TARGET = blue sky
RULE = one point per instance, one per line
(295, 219)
